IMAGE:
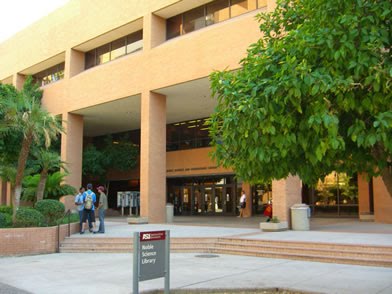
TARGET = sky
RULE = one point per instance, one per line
(15, 15)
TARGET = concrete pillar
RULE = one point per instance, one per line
(154, 31)
(18, 81)
(285, 193)
(74, 63)
(248, 191)
(153, 157)
(72, 148)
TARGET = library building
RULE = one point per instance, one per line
(140, 70)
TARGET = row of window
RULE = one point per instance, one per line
(208, 14)
(110, 51)
(197, 18)
(50, 75)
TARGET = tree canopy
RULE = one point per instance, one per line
(312, 96)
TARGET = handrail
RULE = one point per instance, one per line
(67, 213)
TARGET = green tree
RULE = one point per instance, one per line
(21, 112)
(45, 161)
(105, 155)
(313, 94)
(54, 186)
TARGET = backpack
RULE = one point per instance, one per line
(88, 204)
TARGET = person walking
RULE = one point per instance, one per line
(102, 206)
(242, 203)
(89, 199)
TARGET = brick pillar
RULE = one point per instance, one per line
(285, 193)
(248, 191)
(153, 157)
(72, 148)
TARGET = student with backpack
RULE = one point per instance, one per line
(89, 199)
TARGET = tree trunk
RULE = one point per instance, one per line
(386, 175)
(24, 153)
(41, 185)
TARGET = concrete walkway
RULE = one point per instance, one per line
(112, 273)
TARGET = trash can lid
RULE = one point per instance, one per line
(300, 206)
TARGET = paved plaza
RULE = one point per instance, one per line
(112, 272)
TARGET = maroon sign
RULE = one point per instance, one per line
(152, 236)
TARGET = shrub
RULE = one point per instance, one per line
(52, 210)
(5, 209)
(28, 217)
(5, 220)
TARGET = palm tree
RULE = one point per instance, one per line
(46, 161)
(23, 113)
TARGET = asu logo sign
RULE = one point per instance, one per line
(152, 236)
(146, 237)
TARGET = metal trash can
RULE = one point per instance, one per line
(300, 214)
(169, 212)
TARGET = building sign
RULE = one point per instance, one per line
(151, 254)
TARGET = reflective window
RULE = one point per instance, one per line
(102, 54)
(194, 20)
(173, 26)
(187, 135)
(50, 75)
(135, 42)
(211, 13)
(118, 48)
(217, 11)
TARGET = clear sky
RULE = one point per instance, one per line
(15, 15)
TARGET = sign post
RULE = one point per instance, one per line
(151, 255)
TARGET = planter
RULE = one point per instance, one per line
(274, 227)
(137, 220)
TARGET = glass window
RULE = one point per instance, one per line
(50, 75)
(173, 26)
(239, 7)
(103, 54)
(135, 42)
(217, 11)
(89, 59)
(118, 49)
(194, 19)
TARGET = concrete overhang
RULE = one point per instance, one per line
(54, 60)
(112, 35)
(179, 7)
(185, 101)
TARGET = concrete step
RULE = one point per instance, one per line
(305, 256)
(372, 255)
(365, 252)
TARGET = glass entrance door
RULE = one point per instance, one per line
(219, 200)
(229, 198)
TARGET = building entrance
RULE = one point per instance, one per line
(203, 195)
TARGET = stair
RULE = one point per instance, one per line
(370, 255)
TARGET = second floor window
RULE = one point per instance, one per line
(208, 14)
(50, 75)
(110, 51)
